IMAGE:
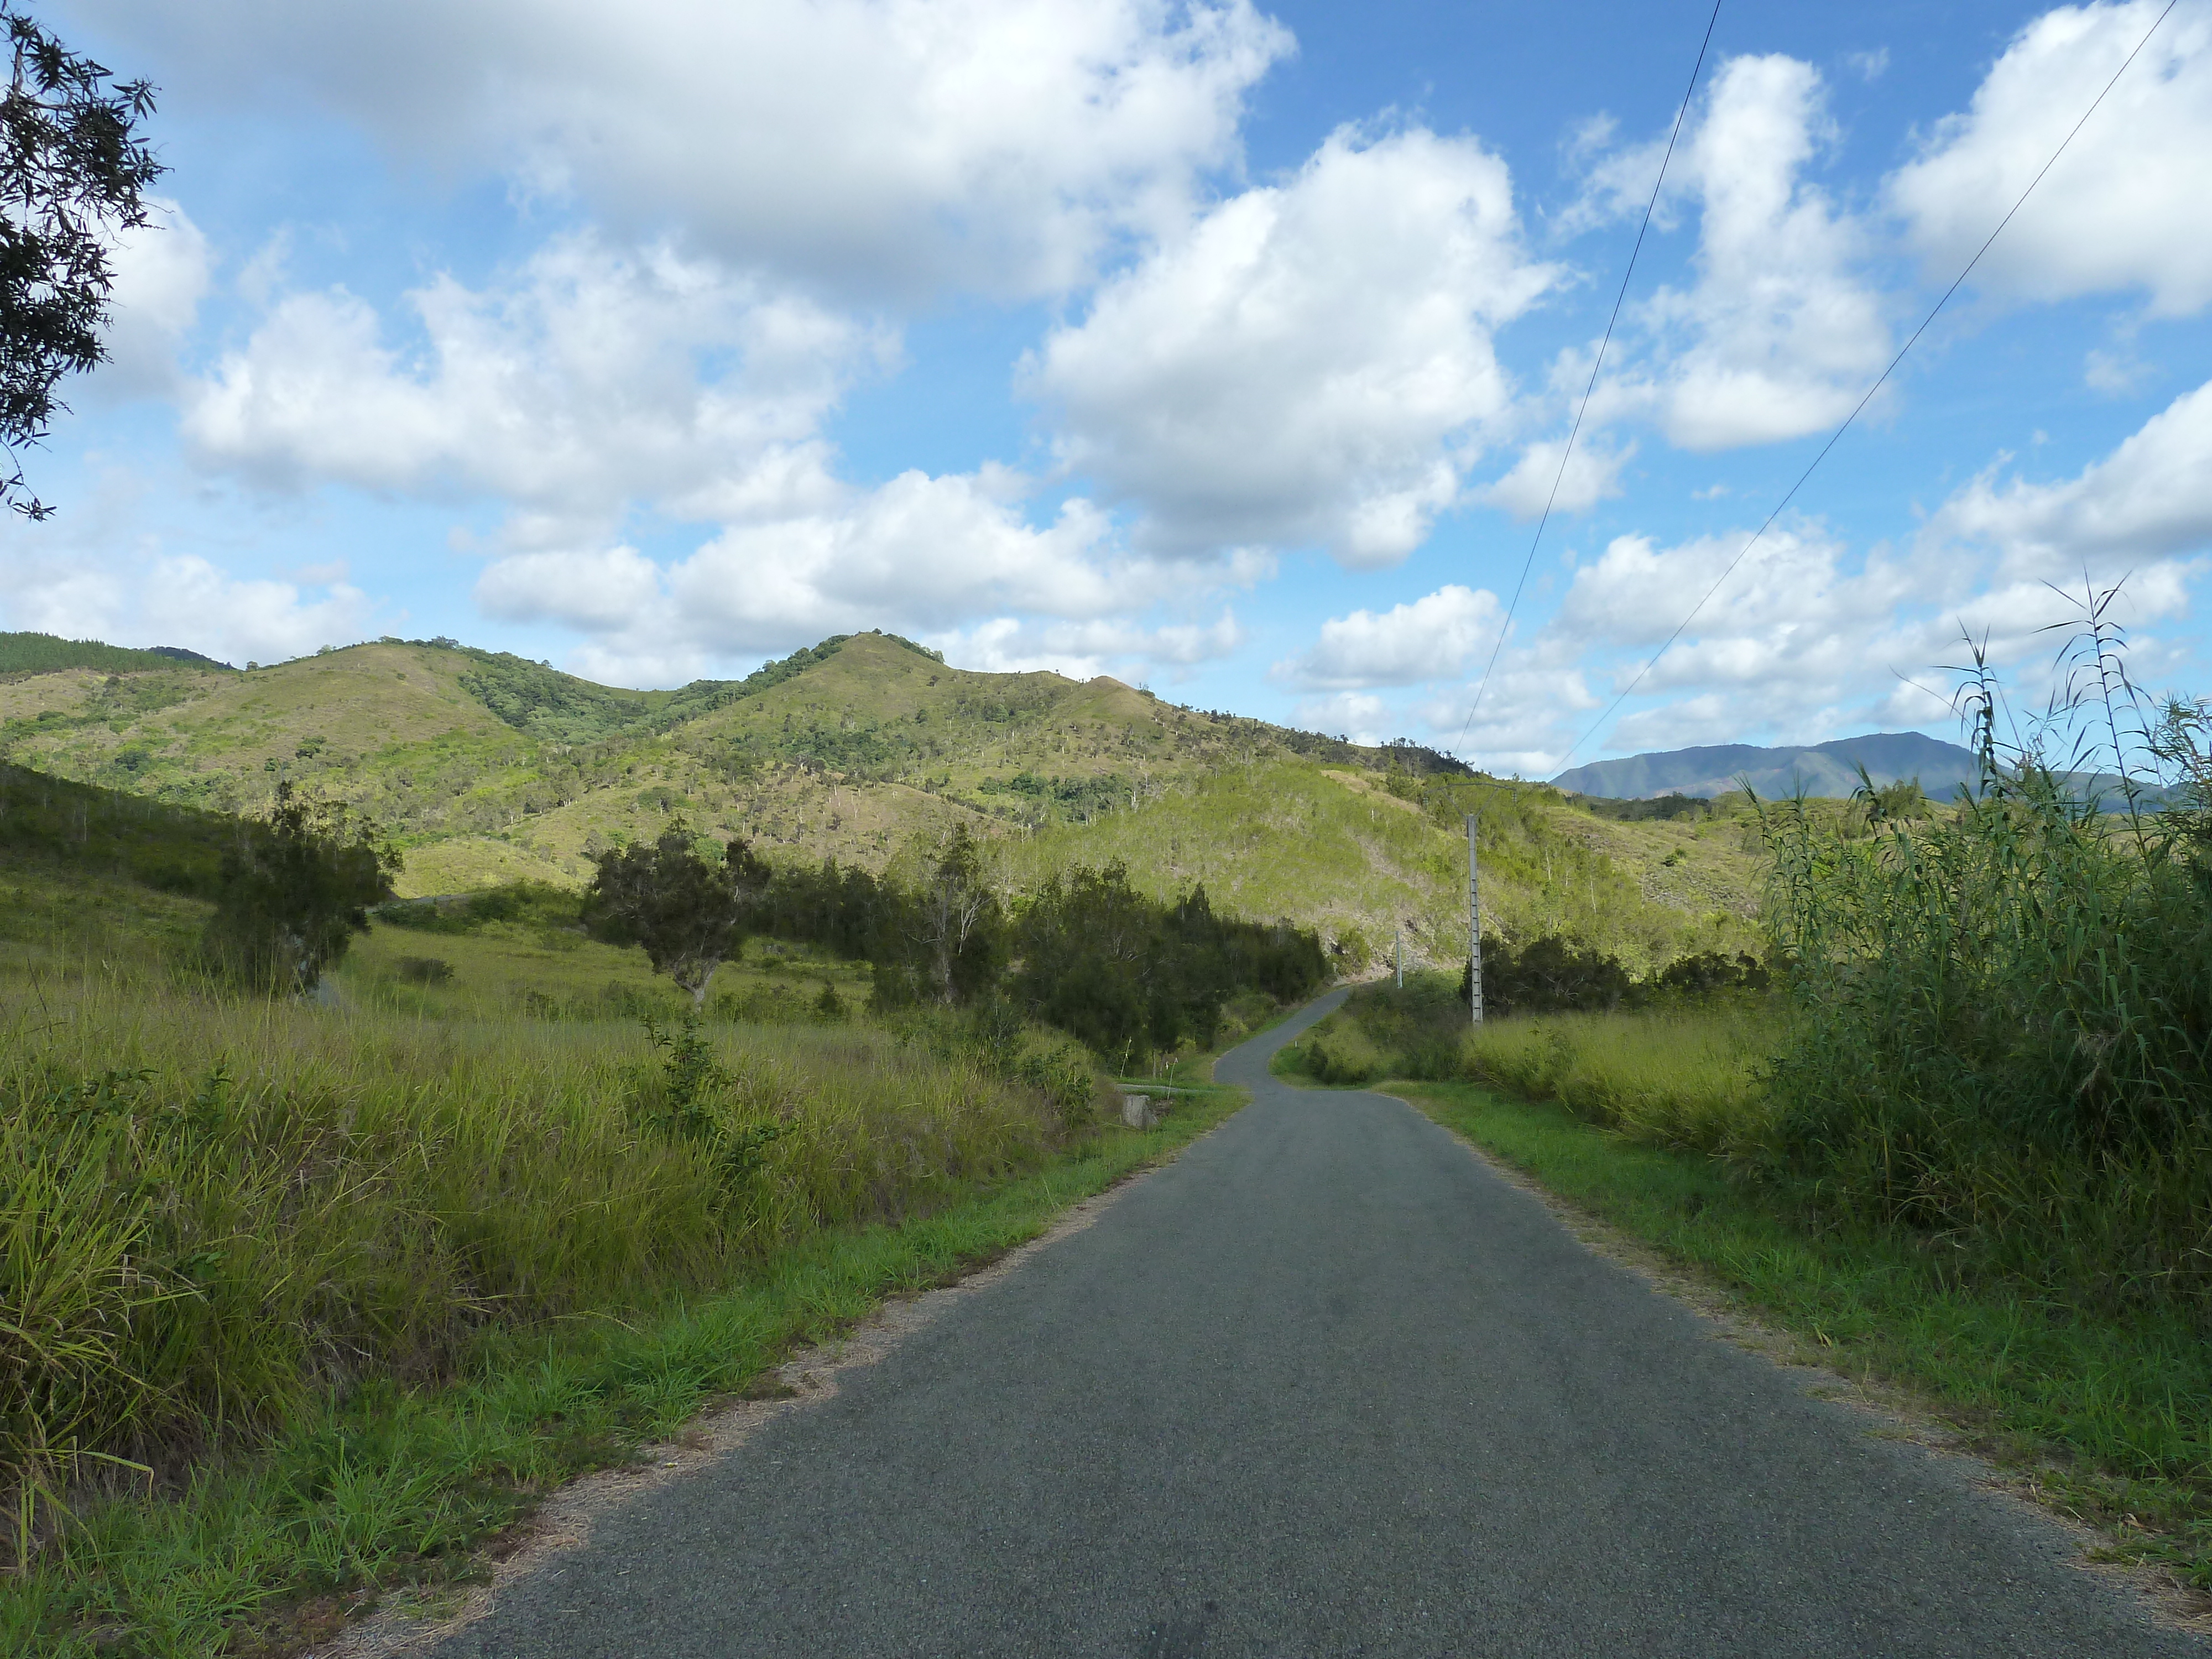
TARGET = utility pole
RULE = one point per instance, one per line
(1398, 942)
(1473, 927)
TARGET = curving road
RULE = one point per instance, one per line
(1324, 1386)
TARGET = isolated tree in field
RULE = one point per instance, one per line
(294, 888)
(73, 171)
(691, 915)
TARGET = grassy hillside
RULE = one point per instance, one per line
(489, 768)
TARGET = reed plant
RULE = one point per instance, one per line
(2003, 1014)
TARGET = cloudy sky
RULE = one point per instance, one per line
(1224, 348)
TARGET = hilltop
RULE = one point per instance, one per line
(489, 768)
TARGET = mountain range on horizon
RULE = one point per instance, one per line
(1944, 769)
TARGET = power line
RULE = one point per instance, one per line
(1582, 409)
(1835, 436)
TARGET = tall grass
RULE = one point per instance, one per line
(2004, 1014)
(214, 1211)
(1687, 1074)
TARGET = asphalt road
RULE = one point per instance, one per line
(1324, 1386)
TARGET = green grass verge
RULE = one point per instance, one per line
(2112, 1414)
(397, 1487)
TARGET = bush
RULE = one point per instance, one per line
(2004, 1014)
(296, 888)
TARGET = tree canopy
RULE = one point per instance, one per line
(691, 916)
(294, 888)
(74, 169)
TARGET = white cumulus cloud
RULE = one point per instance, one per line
(2151, 498)
(1311, 364)
(1432, 638)
(877, 146)
(2125, 207)
(1780, 335)
(566, 391)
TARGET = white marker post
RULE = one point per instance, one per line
(1473, 927)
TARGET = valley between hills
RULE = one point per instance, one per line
(489, 768)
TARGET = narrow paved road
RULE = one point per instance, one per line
(1324, 1386)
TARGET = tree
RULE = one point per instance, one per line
(691, 916)
(294, 888)
(73, 171)
(956, 923)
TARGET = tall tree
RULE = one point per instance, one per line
(957, 922)
(73, 171)
(690, 914)
(296, 888)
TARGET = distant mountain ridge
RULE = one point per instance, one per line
(1820, 768)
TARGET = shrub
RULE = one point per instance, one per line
(2004, 1014)
(295, 887)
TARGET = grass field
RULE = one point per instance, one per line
(397, 1487)
(345, 1283)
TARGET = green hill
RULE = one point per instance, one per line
(489, 768)
(44, 653)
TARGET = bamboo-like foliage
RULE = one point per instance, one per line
(2004, 1027)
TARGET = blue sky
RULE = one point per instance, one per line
(1222, 347)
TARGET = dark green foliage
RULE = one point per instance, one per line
(44, 653)
(424, 970)
(2004, 1029)
(842, 909)
(1666, 808)
(953, 927)
(1546, 975)
(1707, 973)
(1092, 955)
(73, 168)
(552, 706)
(1127, 975)
(690, 914)
(173, 848)
(1550, 976)
(532, 903)
(1078, 799)
(294, 888)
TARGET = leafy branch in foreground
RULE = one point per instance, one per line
(73, 171)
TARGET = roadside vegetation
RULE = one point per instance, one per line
(1964, 1138)
(334, 1228)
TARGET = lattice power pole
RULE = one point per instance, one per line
(1474, 927)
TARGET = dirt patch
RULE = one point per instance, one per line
(1898, 1413)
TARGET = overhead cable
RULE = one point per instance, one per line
(1837, 434)
(1582, 409)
